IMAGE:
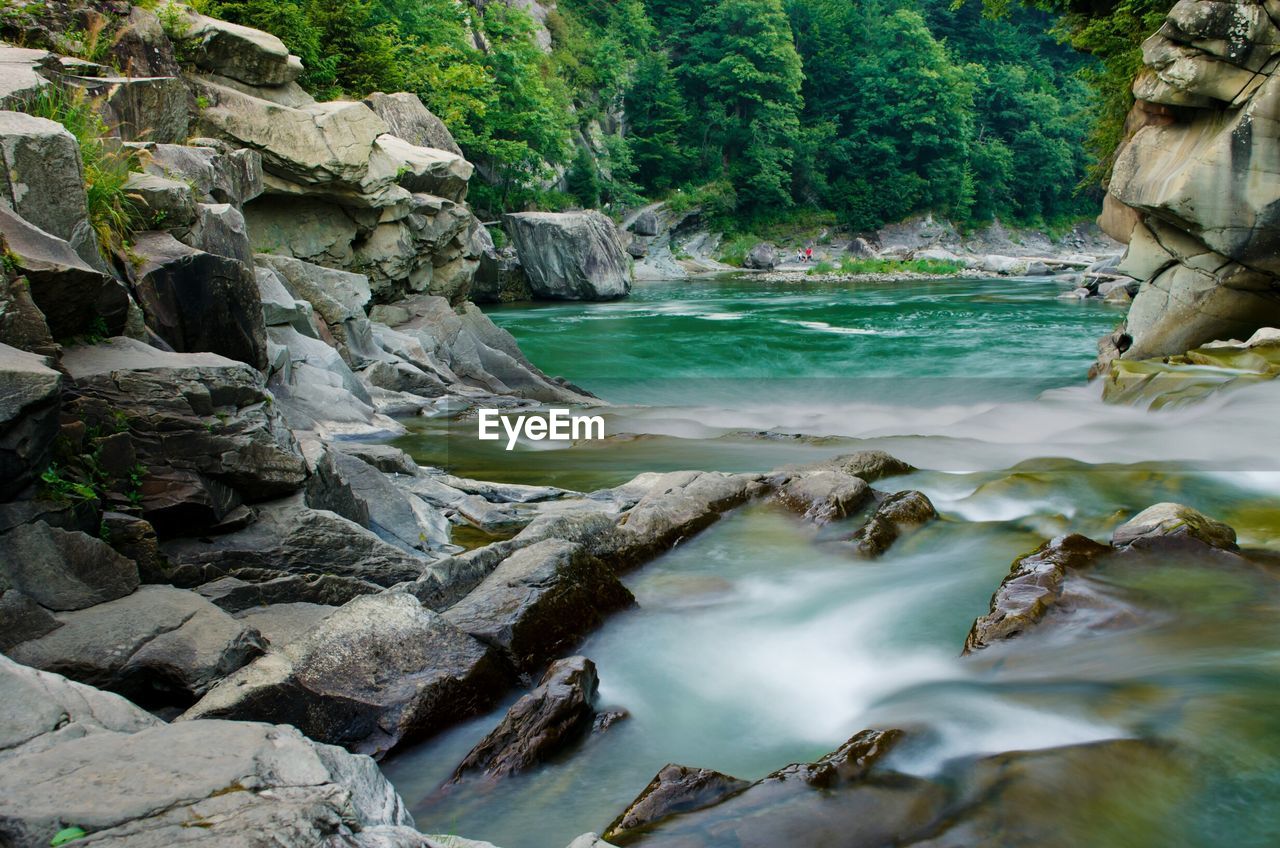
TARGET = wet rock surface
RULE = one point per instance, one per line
(675, 789)
(895, 516)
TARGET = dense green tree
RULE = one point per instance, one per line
(583, 179)
(657, 119)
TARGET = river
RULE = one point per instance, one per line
(758, 643)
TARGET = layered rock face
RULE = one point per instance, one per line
(1193, 191)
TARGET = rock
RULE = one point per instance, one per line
(1033, 586)
(22, 619)
(160, 201)
(64, 570)
(358, 491)
(645, 224)
(937, 254)
(135, 539)
(551, 717)
(279, 307)
(219, 228)
(22, 324)
(20, 77)
(570, 255)
(385, 458)
(281, 624)
(674, 506)
(248, 55)
(1038, 269)
(421, 170)
(141, 48)
(29, 403)
(202, 424)
(540, 601)
(378, 671)
(675, 789)
(860, 248)
(289, 538)
(408, 119)
(824, 496)
(338, 297)
(130, 781)
(234, 177)
(896, 515)
(868, 465)
(589, 840)
(158, 646)
(1008, 265)
(43, 181)
(199, 301)
(763, 256)
(73, 295)
(1169, 525)
(140, 108)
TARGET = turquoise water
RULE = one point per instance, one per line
(757, 643)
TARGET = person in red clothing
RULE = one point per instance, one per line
(808, 253)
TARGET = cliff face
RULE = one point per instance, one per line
(1195, 190)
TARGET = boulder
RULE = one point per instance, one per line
(74, 755)
(43, 181)
(763, 257)
(202, 424)
(215, 177)
(248, 55)
(64, 570)
(140, 108)
(22, 324)
(1007, 265)
(141, 48)
(386, 458)
(220, 229)
(20, 77)
(1169, 525)
(674, 506)
(135, 539)
(159, 646)
(29, 404)
(338, 297)
(289, 538)
(1033, 586)
(868, 465)
(73, 295)
(198, 301)
(550, 718)
(825, 495)
(281, 624)
(646, 223)
(570, 255)
(539, 601)
(279, 307)
(860, 248)
(896, 515)
(22, 619)
(162, 202)
(675, 789)
(421, 170)
(408, 119)
(378, 671)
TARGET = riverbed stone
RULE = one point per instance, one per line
(378, 671)
(1034, 584)
(64, 570)
(1171, 524)
(553, 716)
(675, 506)
(825, 496)
(570, 255)
(159, 646)
(356, 490)
(674, 790)
(896, 515)
(281, 624)
(539, 601)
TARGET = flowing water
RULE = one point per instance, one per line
(759, 643)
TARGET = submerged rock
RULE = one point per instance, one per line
(378, 671)
(1171, 524)
(897, 514)
(551, 717)
(1032, 587)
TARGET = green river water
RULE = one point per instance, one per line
(757, 643)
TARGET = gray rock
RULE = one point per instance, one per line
(557, 713)
(385, 458)
(140, 108)
(279, 307)
(1171, 524)
(160, 646)
(1033, 586)
(141, 48)
(136, 539)
(219, 228)
(64, 570)
(22, 619)
(860, 248)
(825, 495)
(248, 55)
(281, 624)
(74, 296)
(337, 296)
(378, 671)
(411, 121)
(43, 180)
(570, 255)
(675, 506)
(763, 257)
(675, 789)
(358, 491)
(22, 324)
(20, 77)
(540, 601)
(199, 301)
(266, 587)
(216, 177)
(162, 202)
(870, 465)
(30, 397)
(645, 224)
(202, 424)
(896, 515)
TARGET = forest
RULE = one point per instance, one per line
(870, 110)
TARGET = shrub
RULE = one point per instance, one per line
(735, 250)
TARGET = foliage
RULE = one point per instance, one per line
(583, 180)
(107, 164)
(852, 266)
(734, 251)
